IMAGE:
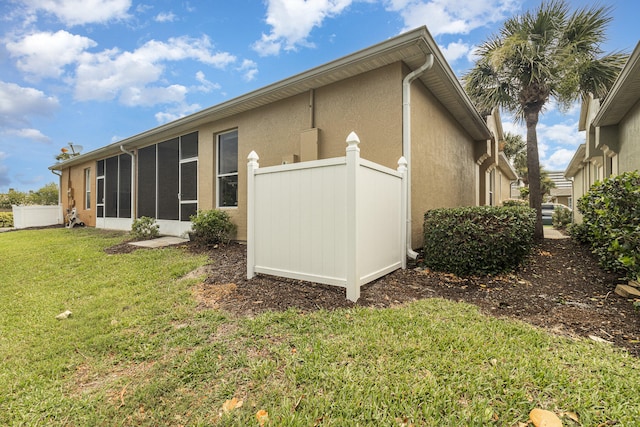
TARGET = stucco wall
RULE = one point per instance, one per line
(369, 104)
(442, 160)
(73, 178)
(629, 128)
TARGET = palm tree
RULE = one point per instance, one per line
(548, 53)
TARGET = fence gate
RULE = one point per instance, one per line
(338, 221)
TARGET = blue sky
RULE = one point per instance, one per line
(92, 72)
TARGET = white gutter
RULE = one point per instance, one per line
(133, 182)
(59, 175)
(406, 139)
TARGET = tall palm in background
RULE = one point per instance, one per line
(548, 53)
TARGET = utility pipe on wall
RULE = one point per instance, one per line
(133, 181)
(406, 138)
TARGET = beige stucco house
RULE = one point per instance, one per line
(400, 96)
(496, 172)
(612, 127)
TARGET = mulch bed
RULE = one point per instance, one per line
(559, 288)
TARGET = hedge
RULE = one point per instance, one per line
(478, 240)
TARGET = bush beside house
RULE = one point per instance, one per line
(6, 219)
(611, 223)
(211, 227)
(478, 240)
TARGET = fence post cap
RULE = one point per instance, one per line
(352, 139)
(402, 162)
(253, 156)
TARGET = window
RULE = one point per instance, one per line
(87, 188)
(227, 169)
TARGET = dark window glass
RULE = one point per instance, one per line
(188, 209)
(228, 153)
(124, 200)
(228, 191)
(111, 187)
(147, 182)
(100, 168)
(100, 211)
(168, 171)
(100, 196)
(189, 146)
(189, 181)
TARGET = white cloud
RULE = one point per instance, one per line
(165, 17)
(560, 133)
(28, 133)
(112, 73)
(455, 50)
(452, 16)
(249, 69)
(205, 85)
(80, 12)
(149, 96)
(17, 103)
(292, 21)
(176, 112)
(559, 159)
(46, 54)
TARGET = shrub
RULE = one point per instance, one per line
(478, 240)
(211, 227)
(514, 202)
(6, 219)
(579, 232)
(145, 228)
(561, 217)
(611, 215)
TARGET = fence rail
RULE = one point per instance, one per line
(337, 221)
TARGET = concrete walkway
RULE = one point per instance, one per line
(159, 242)
(552, 233)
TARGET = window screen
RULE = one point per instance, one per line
(147, 181)
(124, 193)
(168, 170)
(111, 187)
(189, 146)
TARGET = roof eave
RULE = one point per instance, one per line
(406, 47)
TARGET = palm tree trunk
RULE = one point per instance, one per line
(533, 169)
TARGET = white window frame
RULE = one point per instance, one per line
(87, 188)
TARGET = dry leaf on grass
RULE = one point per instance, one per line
(231, 404)
(262, 416)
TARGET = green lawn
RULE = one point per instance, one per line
(137, 351)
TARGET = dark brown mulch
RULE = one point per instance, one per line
(560, 288)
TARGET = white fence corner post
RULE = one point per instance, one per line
(252, 165)
(402, 168)
(353, 263)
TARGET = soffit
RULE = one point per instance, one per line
(410, 48)
(624, 94)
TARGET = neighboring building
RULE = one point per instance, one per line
(496, 173)
(612, 128)
(199, 161)
(561, 193)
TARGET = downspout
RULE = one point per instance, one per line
(59, 175)
(406, 139)
(133, 181)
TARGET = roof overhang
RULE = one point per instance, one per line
(506, 167)
(576, 161)
(411, 48)
(624, 93)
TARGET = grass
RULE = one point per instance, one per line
(137, 351)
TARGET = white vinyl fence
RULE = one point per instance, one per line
(36, 216)
(337, 221)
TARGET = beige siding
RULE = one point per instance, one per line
(442, 160)
(72, 192)
(629, 128)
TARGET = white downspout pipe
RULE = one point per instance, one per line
(133, 181)
(406, 139)
(59, 175)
